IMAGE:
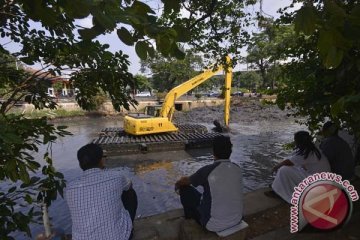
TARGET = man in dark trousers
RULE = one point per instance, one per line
(337, 151)
(220, 207)
(102, 201)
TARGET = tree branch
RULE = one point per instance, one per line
(211, 10)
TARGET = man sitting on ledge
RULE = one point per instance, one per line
(220, 207)
(102, 202)
(338, 151)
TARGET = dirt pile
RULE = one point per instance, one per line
(242, 110)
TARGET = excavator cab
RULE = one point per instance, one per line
(153, 111)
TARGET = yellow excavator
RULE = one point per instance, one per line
(161, 121)
(154, 130)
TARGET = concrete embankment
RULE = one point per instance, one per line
(107, 107)
(171, 225)
(268, 219)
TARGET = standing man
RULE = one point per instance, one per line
(220, 207)
(337, 151)
(102, 202)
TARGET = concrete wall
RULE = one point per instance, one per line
(107, 107)
(70, 106)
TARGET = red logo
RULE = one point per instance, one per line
(325, 205)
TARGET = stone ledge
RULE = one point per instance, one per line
(191, 230)
(171, 225)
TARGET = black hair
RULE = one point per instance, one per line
(89, 156)
(304, 145)
(222, 147)
(330, 126)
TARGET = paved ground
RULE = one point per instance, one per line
(351, 231)
(268, 219)
(168, 225)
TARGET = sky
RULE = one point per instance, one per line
(269, 8)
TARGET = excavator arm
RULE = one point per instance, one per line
(167, 109)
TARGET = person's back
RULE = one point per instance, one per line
(312, 164)
(102, 202)
(220, 207)
(338, 152)
(339, 155)
(95, 204)
(306, 160)
(226, 190)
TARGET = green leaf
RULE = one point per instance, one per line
(77, 9)
(28, 199)
(171, 5)
(325, 42)
(12, 189)
(171, 33)
(141, 50)
(305, 20)
(183, 34)
(135, 20)
(33, 165)
(163, 43)
(352, 99)
(151, 51)
(104, 20)
(4, 211)
(61, 127)
(337, 107)
(334, 9)
(34, 180)
(59, 175)
(142, 8)
(23, 174)
(177, 52)
(125, 36)
(11, 138)
(88, 33)
(333, 58)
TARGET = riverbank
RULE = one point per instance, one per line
(72, 109)
(244, 106)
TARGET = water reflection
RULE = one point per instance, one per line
(256, 148)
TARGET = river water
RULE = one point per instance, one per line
(257, 146)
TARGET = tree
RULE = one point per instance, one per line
(169, 72)
(266, 49)
(322, 78)
(143, 83)
(47, 34)
(215, 28)
(249, 79)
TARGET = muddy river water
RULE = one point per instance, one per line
(257, 146)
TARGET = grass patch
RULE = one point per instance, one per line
(52, 114)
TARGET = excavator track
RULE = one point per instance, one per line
(115, 141)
